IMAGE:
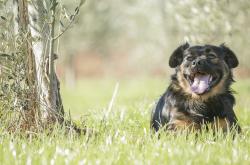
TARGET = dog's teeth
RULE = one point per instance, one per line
(210, 78)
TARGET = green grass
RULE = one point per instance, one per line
(125, 137)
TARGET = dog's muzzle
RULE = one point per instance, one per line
(201, 80)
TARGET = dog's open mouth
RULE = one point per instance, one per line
(201, 82)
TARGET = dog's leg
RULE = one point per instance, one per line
(157, 117)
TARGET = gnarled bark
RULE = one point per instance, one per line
(36, 23)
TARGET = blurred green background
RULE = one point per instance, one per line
(131, 38)
(130, 41)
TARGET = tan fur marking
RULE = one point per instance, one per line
(180, 121)
(185, 125)
(214, 60)
(183, 82)
(220, 123)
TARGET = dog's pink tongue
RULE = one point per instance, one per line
(200, 84)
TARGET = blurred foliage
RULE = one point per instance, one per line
(146, 28)
(213, 22)
(14, 90)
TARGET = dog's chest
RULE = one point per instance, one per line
(198, 110)
(194, 114)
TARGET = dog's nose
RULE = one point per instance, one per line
(198, 62)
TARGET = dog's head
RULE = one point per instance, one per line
(203, 71)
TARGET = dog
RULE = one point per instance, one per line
(199, 94)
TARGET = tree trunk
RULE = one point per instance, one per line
(42, 20)
(22, 31)
(37, 21)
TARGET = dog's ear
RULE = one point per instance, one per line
(177, 56)
(229, 57)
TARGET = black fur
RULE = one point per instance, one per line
(175, 104)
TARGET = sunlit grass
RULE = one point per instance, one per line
(94, 94)
(124, 137)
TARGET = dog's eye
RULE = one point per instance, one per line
(211, 56)
(190, 58)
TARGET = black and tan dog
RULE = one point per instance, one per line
(199, 94)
